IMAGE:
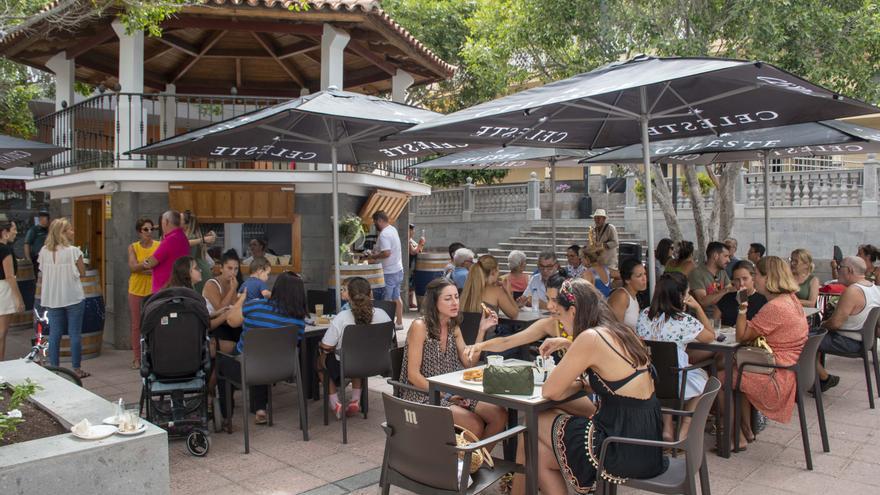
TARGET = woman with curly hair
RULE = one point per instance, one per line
(362, 312)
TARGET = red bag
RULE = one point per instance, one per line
(833, 288)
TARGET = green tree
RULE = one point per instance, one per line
(454, 178)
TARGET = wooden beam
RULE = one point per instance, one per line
(361, 77)
(297, 49)
(175, 42)
(238, 73)
(210, 88)
(101, 37)
(377, 60)
(235, 53)
(233, 24)
(157, 53)
(268, 45)
(210, 41)
(151, 79)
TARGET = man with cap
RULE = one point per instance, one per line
(36, 236)
(604, 235)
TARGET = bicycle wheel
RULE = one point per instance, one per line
(65, 373)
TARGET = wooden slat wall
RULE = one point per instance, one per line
(235, 203)
(391, 202)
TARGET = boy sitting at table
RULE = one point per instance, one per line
(255, 286)
(360, 296)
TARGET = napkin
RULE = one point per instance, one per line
(82, 428)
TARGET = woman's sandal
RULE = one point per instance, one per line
(80, 373)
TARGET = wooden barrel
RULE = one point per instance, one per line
(26, 285)
(93, 317)
(429, 265)
(373, 273)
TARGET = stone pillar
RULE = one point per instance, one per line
(131, 120)
(869, 187)
(63, 134)
(533, 208)
(467, 209)
(740, 198)
(401, 81)
(168, 120)
(333, 43)
(632, 202)
(232, 238)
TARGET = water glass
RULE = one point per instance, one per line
(495, 360)
(131, 420)
(716, 325)
(319, 310)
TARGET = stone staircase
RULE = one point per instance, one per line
(539, 237)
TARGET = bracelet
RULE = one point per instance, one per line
(743, 311)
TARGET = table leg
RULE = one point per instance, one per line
(434, 394)
(510, 443)
(531, 438)
(724, 440)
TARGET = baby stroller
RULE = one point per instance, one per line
(175, 365)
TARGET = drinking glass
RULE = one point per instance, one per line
(716, 325)
(319, 310)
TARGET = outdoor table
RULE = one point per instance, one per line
(530, 406)
(525, 318)
(308, 349)
(727, 350)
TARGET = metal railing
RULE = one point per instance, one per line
(100, 130)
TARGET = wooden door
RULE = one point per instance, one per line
(88, 224)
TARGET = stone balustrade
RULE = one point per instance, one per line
(514, 200)
(441, 202)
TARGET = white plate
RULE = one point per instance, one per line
(472, 382)
(112, 420)
(142, 428)
(97, 432)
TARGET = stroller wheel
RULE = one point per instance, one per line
(198, 443)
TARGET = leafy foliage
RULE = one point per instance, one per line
(10, 416)
(453, 178)
(706, 185)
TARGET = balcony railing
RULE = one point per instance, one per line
(101, 129)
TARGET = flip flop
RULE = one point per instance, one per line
(80, 373)
(261, 418)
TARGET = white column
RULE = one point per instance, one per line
(869, 187)
(400, 82)
(65, 74)
(63, 133)
(232, 237)
(168, 120)
(333, 43)
(533, 206)
(739, 194)
(131, 118)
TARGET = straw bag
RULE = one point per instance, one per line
(758, 355)
(464, 437)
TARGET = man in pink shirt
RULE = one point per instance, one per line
(174, 246)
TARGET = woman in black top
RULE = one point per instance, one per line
(743, 279)
(10, 297)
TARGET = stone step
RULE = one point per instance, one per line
(562, 240)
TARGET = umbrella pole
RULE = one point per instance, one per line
(552, 200)
(766, 161)
(649, 200)
(336, 275)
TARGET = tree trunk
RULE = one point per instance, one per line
(727, 191)
(701, 222)
(663, 197)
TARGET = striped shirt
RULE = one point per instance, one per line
(260, 313)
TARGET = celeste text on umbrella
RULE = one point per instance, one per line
(418, 147)
(262, 151)
(716, 144)
(11, 156)
(542, 135)
(739, 119)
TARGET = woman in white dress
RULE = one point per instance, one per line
(666, 320)
(623, 300)
(61, 264)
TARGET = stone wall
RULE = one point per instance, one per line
(478, 235)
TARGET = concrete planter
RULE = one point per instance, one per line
(66, 464)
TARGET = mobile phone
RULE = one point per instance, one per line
(742, 296)
(838, 254)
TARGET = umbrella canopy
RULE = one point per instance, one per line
(305, 130)
(15, 152)
(327, 127)
(643, 99)
(830, 137)
(513, 157)
(17, 173)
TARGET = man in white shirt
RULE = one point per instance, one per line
(387, 251)
(547, 266)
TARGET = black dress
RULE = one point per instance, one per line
(730, 308)
(577, 441)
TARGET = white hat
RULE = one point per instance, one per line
(600, 213)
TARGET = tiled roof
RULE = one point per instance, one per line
(371, 7)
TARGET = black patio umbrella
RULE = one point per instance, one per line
(15, 152)
(830, 137)
(514, 157)
(642, 99)
(326, 127)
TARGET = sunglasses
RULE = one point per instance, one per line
(147, 229)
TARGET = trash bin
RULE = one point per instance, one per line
(629, 250)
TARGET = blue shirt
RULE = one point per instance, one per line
(254, 288)
(261, 313)
(459, 276)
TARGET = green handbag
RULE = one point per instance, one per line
(510, 380)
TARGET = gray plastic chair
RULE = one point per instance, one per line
(395, 355)
(869, 347)
(421, 454)
(389, 307)
(805, 368)
(680, 477)
(363, 352)
(270, 356)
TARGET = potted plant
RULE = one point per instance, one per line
(351, 231)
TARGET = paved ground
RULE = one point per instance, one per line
(281, 463)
